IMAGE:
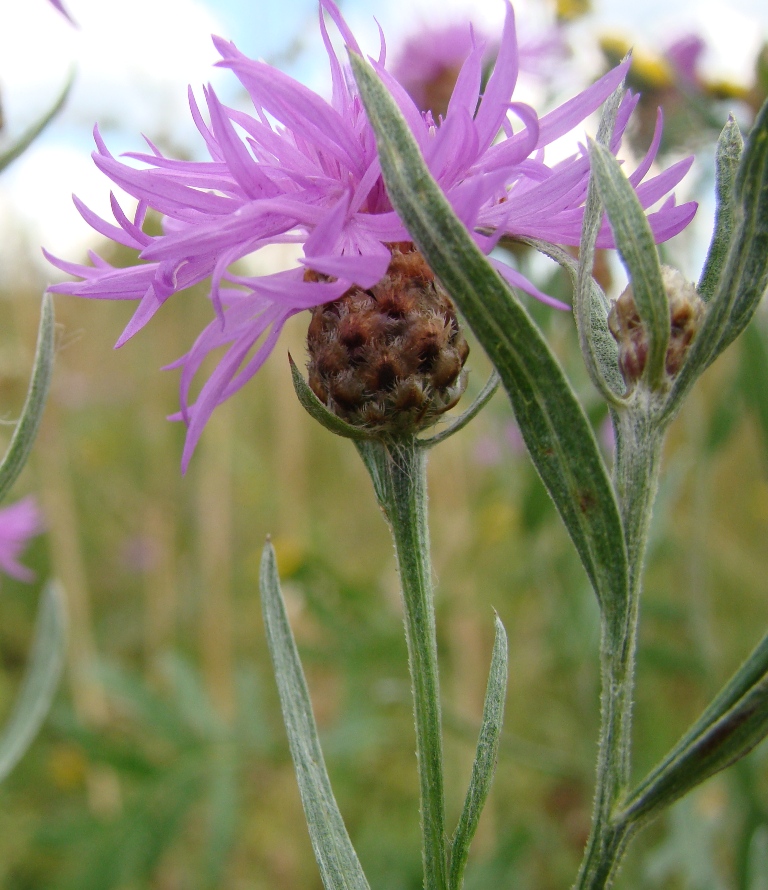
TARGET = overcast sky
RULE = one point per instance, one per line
(134, 60)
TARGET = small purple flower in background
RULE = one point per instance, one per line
(684, 54)
(429, 63)
(18, 523)
(57, 4)
(301, 170)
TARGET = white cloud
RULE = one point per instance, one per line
(134, 61)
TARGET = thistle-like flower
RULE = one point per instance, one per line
(300, 169)
(18, 523)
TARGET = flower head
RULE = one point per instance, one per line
(18, 523)
(300, 169)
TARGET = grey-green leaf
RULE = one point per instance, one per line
(637, 249)
(744, 277)
(727, 156)
(752, 235)
(339, 866)
(317, 410)
(485, 758)
(483, 397)
(553, 423)
(29, 136)
(734, 722)
(31, 415)
(46, 660)
(590, 304)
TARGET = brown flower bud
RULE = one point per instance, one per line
(686, 310)
(391, 358)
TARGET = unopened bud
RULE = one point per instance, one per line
(389, 359)
(686, 310)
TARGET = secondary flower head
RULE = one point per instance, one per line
(18, 523)
(430, 61)
(299, 169)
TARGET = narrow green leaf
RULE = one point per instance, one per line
(485, 758)
(46, 660)
(752, 196)
(634, 241)
(753, 375)
(28, 137)
(553, 423)
(727, 156)
(733, 723)
(744, 277)
(483, 397)
(29, 422)
(316, 409)
(590, 305)
(339, 866)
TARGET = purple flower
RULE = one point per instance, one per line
(18, 523)
(303, 170)
(685, 55)
(430, 61)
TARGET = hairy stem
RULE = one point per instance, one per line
(635, 478)
(399, 475)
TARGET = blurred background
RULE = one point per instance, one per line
(164, 763)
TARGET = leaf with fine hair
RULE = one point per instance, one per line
(46, 660)
(590, 305)
(727, 156)
(31, 415)
(29, 136)
(554, 426)
(734, 722)
(637, 249)
(744, 276)
(752, 198)
(485, 758)
(598, 346)
(484, 396)
(317, 410)
(339, 866)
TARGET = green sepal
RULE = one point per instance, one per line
(46, 661)
(637, 249)
(483, 397)
(339, 866)
(744, 277)
(590, 305)
(485, 758)
(316, 409)
(26, 429)
(29, 136)
(730, 146)
(553, 424)
(730, 727)
(600, 348)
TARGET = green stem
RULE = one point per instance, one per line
(635, 478)
(399, 475)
